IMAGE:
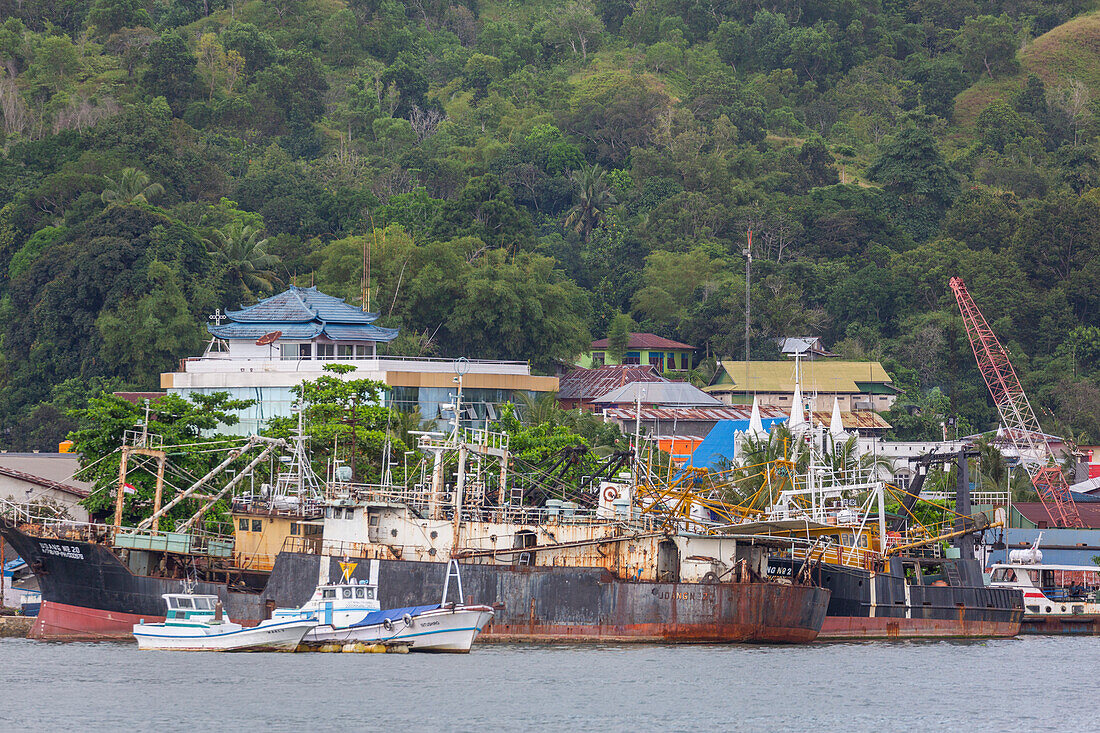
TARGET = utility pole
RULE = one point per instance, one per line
(748, 309)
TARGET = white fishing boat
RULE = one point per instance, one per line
(1058, 599)
(349, 612)
(195, 623)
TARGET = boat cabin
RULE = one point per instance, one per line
(1050, 588)
(259, 536)
(344, 596)
(187, 606)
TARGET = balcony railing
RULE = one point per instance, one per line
(276, 363)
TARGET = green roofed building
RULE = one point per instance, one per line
(857, 385)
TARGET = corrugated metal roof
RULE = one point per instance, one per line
(645, 341)
(823, 377)
(688, 414)
(48, 470)
(301, 305)
(801, 345)
(587, 384)
(679, 394)
(1036, 513)
(859, 420)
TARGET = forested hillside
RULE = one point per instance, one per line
(520, 173)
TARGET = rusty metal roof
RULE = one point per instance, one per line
(588, 384)
(859, 420)
(1036, 513)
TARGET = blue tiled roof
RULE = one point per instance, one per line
(360, 333)
(256, 330)
(303, 313)
(301, 305)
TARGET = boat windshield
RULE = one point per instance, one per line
(1003, 575)
(204, 603)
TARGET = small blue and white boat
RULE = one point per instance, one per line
(195, 623)
(349, 612)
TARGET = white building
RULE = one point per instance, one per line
(264, 350)
(44, 477)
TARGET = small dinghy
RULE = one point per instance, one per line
(349, 612)
(195, 623)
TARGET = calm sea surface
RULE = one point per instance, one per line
(1006, 685)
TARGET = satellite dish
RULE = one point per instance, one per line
(269, 338)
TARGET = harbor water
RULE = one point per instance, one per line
(1004, 685)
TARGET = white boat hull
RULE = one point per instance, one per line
(439, 630)
(282, 637)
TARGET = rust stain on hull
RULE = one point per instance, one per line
(686, 613)
(853, 627)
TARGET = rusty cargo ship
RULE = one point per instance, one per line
(613, 571)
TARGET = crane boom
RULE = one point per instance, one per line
(1020, 424)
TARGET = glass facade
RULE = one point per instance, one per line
(478, 405)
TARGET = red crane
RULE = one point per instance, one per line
(1021, 427)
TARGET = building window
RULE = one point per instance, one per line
(362, 351)
(598, 359)
(685, 361)
(243, 525)
(632, 357)
(326, 351)
(345, 351)
(288, 352)
(657, 360)
(257, 525)
(305, 351)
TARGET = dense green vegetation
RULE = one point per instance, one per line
(522, 174)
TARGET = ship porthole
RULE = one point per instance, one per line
(860, 584)
(434, 534)
(431, 552)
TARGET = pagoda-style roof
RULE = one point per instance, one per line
(303, 313)
(301, 305)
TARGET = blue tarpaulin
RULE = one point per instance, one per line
(393, 614)
(718, 446)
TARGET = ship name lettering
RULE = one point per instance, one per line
(686, 596)
(67, 551)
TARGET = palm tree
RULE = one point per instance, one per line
(403, 423)
(539, 410)
(767, 465)
(132, 186)
(592, 200)
(241, 250)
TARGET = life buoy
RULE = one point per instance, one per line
(388, 624)
(610, 494)
(407, 619)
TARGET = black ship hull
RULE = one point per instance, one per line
(88, 592)
(889, 605)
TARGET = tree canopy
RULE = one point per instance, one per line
(524, 176)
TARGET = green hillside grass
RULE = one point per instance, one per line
(1070, 51)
